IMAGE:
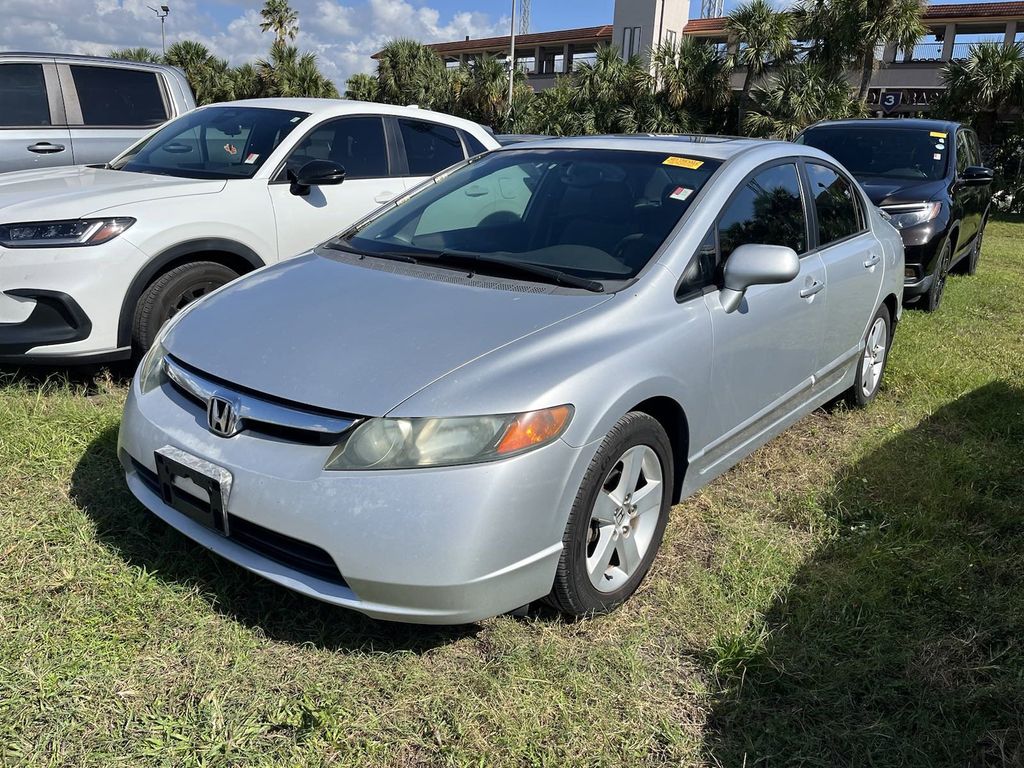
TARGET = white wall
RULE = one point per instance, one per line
(653, 17)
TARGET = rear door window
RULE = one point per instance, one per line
(835, 204)
(110, 96)
(766, 210)
(429, 147)
(23, 99)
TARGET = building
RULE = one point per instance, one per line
(910, 78)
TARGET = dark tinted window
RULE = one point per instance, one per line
(966, 154)
(430, 147)
(767, 210)
(475, 145)
(355, 143)
(835, 203)
(600, 214)
(212, 143)
(110, 96)
(23, 95)
(893, 153)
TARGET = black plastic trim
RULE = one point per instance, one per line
(55, 319)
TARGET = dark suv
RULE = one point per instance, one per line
(927, 175)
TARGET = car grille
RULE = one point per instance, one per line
(259, 412)
(302, 556)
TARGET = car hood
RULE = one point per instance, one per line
(68, 193)
(355, 339)
(884, 191)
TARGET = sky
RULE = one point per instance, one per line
(343, 33)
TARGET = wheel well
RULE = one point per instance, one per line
(672, 418)
(237, 262)
(893, 306)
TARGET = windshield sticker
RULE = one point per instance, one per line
(684, 162)
(231, 149)
(937, 135)
(936, 156)
(940, 147)
(252, 158)
(295, 119)
(681, 193)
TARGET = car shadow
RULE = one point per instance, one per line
(901, 642)
(144, 541)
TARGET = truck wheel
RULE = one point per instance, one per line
(172, 292)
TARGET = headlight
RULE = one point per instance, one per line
(912, 214)
(410, 443)
(62, 234)
(151, 372)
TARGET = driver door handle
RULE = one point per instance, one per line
(45, 148)
(810, 290)
(384, 197)
(872, 260)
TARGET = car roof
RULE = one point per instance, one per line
(340, 107)
(709, 146)
(910, 124)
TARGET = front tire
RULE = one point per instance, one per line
(172, 292)
(617, 521)
(872, 362)
(932, 300)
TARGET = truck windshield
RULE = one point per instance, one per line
(891, 153)
(212, 143)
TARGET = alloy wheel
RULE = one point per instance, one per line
(624, 518)
(873, 361)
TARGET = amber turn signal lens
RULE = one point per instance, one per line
(534, 428)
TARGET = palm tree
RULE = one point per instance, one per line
(246, 82)
(797, 95)
(850, 31)
(279, 17)
(614, 91)
(362, 87)
(694, 75)
(990, 79)
(409, 73)
(288, 73)
(135, 54)
(207, 75)
(764, 36)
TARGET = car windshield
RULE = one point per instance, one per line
(892, 153)
(585, 213)
(212, 143)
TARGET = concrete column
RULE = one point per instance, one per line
(566, 58)
(537, 53)
(889, 54)
(1011, 33)
(947, 42)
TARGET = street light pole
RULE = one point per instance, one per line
(161, 14)
(512, 59)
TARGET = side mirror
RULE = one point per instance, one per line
(315, 173)
(977, 175)
(756, 265)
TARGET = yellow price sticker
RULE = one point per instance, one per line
(684, 162)
(937, 135)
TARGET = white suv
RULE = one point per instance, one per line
(94, 259)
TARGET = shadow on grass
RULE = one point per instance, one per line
(902, 642)
(143, 540)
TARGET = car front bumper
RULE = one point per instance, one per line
(433, 546)
(63, 305)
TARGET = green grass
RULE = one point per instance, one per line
(852, 594)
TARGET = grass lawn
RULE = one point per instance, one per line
(852, 594)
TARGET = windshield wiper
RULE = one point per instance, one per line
(339, 245)
(546, 274)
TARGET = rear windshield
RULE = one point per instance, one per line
(212, 143)
(596, 214)
(890, 153)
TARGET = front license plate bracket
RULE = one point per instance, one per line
(215, 481)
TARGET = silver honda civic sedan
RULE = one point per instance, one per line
(492, 390)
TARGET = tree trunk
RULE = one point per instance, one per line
(865, 74)
(748, 81)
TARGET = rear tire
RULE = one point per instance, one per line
(617, 521)
(172, 292)
(872, 361)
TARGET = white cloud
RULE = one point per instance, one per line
(342, 34)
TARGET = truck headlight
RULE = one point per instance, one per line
(385, 443)
(73, 233)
